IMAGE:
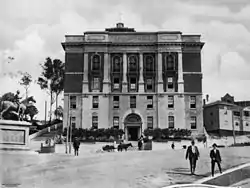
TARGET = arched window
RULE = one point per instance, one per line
(116, 64)
(132, 63)
(170, 62)
(96, 65)
(149, 63)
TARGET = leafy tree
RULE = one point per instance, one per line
(31, 110)
(8, 97)
(58, 80)
(26, 81)
(59, 112)
(51, 79)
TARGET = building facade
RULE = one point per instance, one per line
(227, 116)
(133, 80)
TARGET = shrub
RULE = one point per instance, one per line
(164, 134)
(201, 138)
(240, 144)
(95, 134)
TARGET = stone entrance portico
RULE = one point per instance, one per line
(133, 127)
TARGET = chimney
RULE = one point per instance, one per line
(207, 97)
(204, 102)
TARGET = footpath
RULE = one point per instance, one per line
(144, 169)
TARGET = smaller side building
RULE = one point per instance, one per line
(225, 116)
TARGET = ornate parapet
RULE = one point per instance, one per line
(14, 135)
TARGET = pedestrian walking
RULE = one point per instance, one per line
(192, 154)
(140, 143)
(215, 158)
(172, 145)
(76, 145)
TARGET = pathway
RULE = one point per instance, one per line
(142, 169)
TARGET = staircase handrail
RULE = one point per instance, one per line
(45, 130)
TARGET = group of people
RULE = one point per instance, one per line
(193, 154)
(49, 142)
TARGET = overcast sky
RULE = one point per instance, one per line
(31, 30)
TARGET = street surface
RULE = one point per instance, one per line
(243, 184)
(144, 169)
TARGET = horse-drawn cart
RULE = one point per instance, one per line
(48, 147)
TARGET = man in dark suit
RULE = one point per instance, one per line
(76, 145)
(193, 155)
(215, 158)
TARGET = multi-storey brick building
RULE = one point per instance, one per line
(133, 80)
(226, 116)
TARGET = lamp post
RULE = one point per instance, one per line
(68, 124)
(70, 135)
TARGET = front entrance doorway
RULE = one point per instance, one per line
(133, 124)
(133, 133)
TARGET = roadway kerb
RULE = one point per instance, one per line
(228, 177)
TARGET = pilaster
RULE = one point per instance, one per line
(85, 74)
(180, 74)
(106, 78)
(141, 82)
(160, 80)
(124, 80)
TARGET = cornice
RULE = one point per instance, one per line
(107, 44)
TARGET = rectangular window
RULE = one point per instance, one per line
(116, 83)
(149, 84)
(132, 101)
(116, 101)
(116, 122)
(95, 122)
(133, 83)
(95, 102)
(170, 84)
(150, 123)
(170, 101)
(171, 122)
(96, 84)
(246, 113)
(236, 113)
(73, 122)
(193, 102)
(72, 102)
(193, 122)
(149, 102)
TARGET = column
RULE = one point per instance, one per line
(125, 68)
(141, 68)
(106, 68)
(141, 81)
(160, 80)
(106, 77)
(180, 74)
(124, 80)
(85, 73)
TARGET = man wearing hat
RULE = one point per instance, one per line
(215, 158)
(193, 155)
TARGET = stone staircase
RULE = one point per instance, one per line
(46, 133)
(45, 136)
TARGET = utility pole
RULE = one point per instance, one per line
(233, 127)
(45, 117)
(70, 135)
(68, 122)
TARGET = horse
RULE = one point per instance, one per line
(108, 148)
(124, 146)
(11, 107)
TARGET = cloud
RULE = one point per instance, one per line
(32, 30)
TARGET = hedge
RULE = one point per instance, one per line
(109, 134)
(167, 134)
